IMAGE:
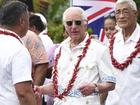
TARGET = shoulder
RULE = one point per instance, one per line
(98, 48)
(97, 44)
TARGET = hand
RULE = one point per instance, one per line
(38, 94)
(87, 89)
(37, 90)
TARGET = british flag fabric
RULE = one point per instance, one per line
(95, 11)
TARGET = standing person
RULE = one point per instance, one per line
(38, 24)
(125, 54)
(82, 66)
(15, 61)
(109, 28)
(38, 55)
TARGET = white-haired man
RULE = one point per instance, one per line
(124, 50)
(82, 67)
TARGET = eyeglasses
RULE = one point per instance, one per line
(76, 22)
(124, 12)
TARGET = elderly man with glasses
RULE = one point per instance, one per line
(82, 67)
(125, 54)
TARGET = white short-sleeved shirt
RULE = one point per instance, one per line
(127, 91)
(94, 67)
(15, 67)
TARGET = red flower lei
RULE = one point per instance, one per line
(129, 59)
(76, 69)
(10, 34)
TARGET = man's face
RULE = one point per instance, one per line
(75, 25)
(126, 17)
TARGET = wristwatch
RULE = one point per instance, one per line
(96, 89)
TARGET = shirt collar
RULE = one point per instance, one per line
(66, 42)
(134, 36)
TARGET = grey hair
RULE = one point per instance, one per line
(84, 17)
(130, 2)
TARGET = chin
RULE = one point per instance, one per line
(122, 25)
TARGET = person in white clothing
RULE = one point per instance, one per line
(125, 55)
(82, 67)
(15, 60)
(38, 24)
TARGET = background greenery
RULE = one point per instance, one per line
(53, 10)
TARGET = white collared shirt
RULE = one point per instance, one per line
(94, 67)
(127, 91)
(15, 67)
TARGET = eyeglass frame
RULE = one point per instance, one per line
(125, 12)
(73, 21)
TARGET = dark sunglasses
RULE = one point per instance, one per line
(76, 22)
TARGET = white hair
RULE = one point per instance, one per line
(84, 17)
(130, 2)
(43, 19)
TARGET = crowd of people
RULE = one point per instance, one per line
(81, 70)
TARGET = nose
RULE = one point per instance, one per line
(73, 24)
(122, 14)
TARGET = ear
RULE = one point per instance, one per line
(21, 21)
(136, 13)
(32, 28)
(85, 24)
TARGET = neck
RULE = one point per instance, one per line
(13, 29)
(127, 32)
(74, 43)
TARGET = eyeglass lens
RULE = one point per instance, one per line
(76, 22)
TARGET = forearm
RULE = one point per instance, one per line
(103, 90)
(28, 99)
(47, 89)
(89, 88)
(40, 74)
(103, 97)
(105, 87)
(25, 93)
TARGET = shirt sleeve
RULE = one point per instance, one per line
(106, 68)
(36, 48)
(21, 66)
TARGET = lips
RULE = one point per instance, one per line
(74, 32)
(122, 21)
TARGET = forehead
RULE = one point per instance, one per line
(73, 15)
(122, 6)
(109, 21)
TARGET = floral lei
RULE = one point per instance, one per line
(76, 69)
(10, 34)
(129, 59)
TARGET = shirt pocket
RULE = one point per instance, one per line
(88, 65)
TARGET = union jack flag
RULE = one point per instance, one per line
(95, 12)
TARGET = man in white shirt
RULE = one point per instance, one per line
(15, 61)
(124, 50)
(82, 65)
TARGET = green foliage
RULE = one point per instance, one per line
(56, 33)
(54, 15)
(138, 6)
